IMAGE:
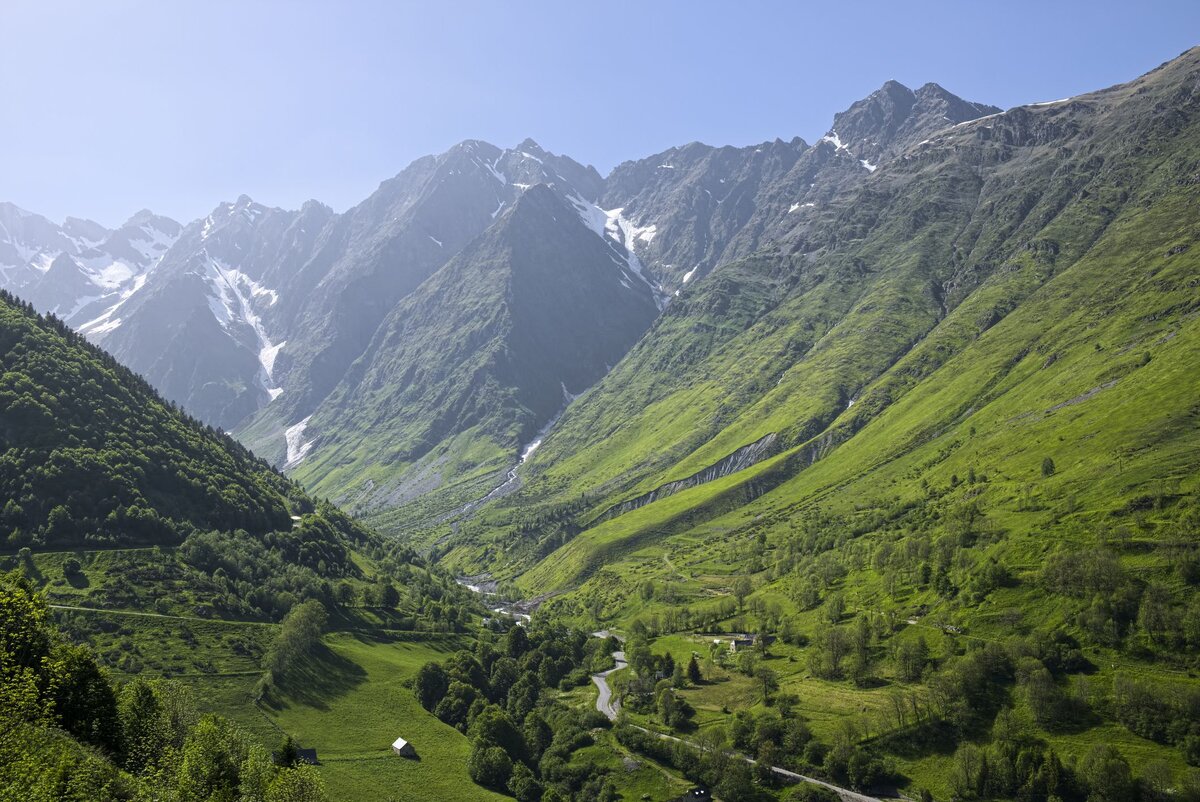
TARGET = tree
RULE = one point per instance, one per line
(1106, 773)
(212, 757)
(494, 726)
(537, 734)
(430, 685)
(911, 657)
(768, 756)
(516, 642)
(835, 608)
(288, 753)
(523, 785)
(693, 671)
(298, 636)
(1048, 467)
(734, 782)
(142, 731)
(742, 587)
(84, 699)
(489, 766)
(768, 682)
(456, 704)
(255, 775)
(300, 784)
(809, 792)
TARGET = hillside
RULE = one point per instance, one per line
(959, 402)
(93, 456)
(166, 593)
(808, 345)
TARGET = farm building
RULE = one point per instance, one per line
(403, 748)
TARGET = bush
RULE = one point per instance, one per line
(809, 792)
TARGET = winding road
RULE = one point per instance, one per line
(605, 702)
(610, 707)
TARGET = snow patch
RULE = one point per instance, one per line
(688, 275)
(870, 167)
(232, 303)
(621, 235)
(106, 322)
(499, 176)
(297, 448)
(267, 355)
(435, 239)
(977, 119)
(107, 326)
(833, 139)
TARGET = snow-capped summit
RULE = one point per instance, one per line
(79, 270)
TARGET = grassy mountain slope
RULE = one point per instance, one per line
(814, 344)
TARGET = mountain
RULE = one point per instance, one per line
(472, 364)
(381, 251)
(987, 250)
(80, 270)
(893, 118)
(114, 464)
(265, 322)
(208, 324)
(688, 209)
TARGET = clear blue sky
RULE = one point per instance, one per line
(107, 106)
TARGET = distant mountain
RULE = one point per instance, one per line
(893, 118)
(79, 271)
(688, 209)
(207, 326)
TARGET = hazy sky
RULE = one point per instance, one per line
(107, 106)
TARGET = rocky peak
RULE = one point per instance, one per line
(894, 117)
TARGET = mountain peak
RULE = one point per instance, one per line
(88, 229)
(146, 217)
(892, 87)
(529, 146)
(893, 117)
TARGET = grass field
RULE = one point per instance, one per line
(353, 703)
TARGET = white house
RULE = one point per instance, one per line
(403, 748)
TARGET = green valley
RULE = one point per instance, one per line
(855, 469)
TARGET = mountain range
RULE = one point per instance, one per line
(420, 341)
(915, 404)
